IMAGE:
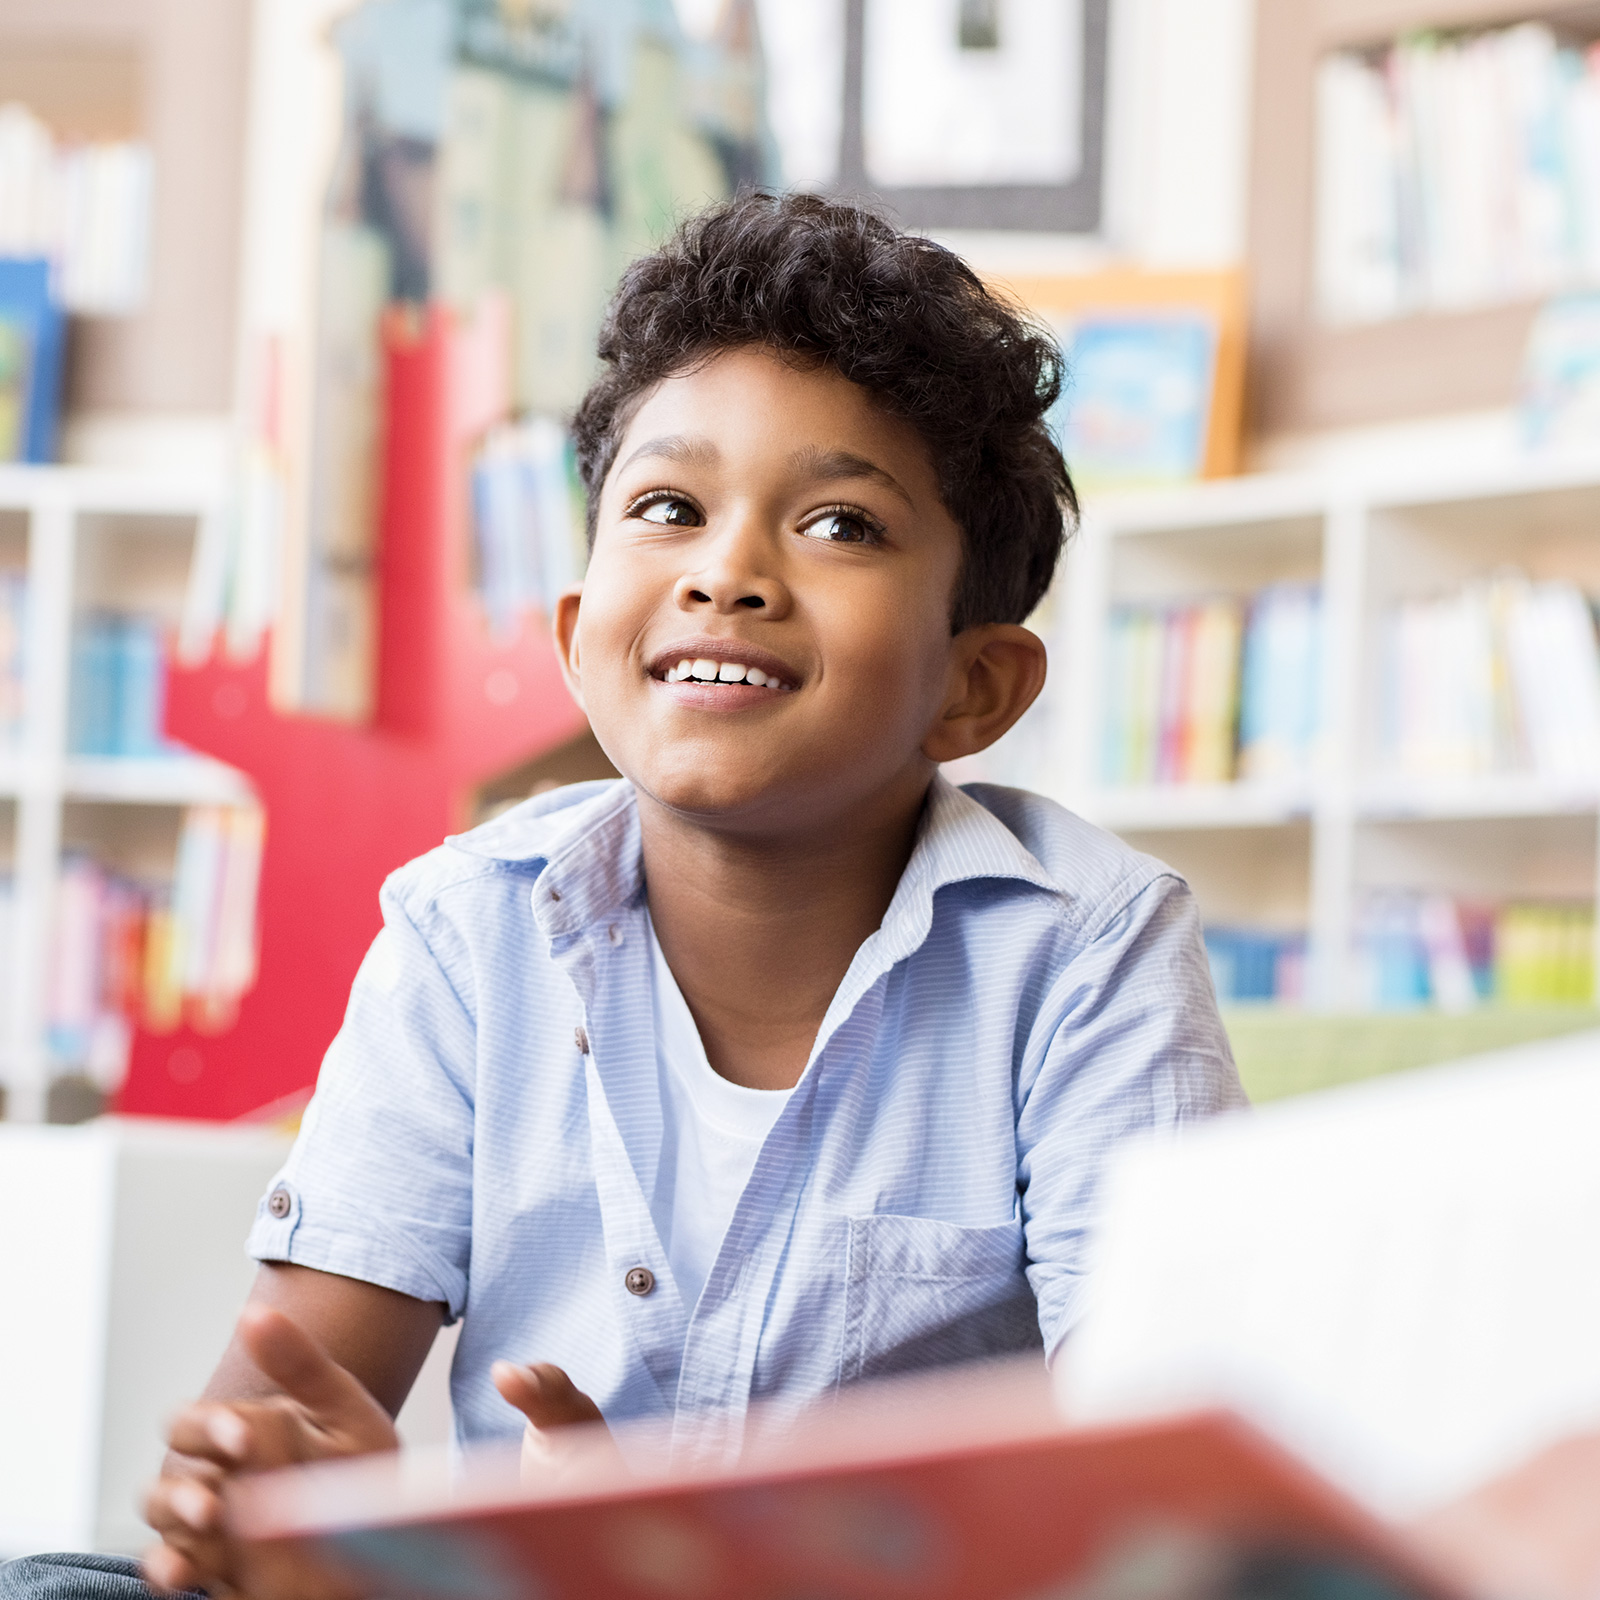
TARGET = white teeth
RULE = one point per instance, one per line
(705, 671)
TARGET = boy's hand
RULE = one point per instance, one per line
(1534, 1533)
(322, 1412)
(549, 1399)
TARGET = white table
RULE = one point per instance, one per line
(122, 1268)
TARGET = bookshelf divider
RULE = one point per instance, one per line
(1310, 854)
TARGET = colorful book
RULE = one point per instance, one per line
(13, 658)
(1466, 682)
(119, 678)
(1250, 964)
(1456, 171)
(1417, 949)
(961, 1486)
(1281, 683)
(32, 351)
(1210, 691)
(127, 952)
(1137, 407)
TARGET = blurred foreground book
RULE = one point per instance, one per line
(1340, 1349)
(964, 1487)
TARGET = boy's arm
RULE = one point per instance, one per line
(1131, 1042)
(318, 1366)
(379, 1336)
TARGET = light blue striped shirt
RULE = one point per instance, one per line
(488, 1124)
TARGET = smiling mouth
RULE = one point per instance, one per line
(710, 673)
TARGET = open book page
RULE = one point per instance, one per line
(1399, 1280)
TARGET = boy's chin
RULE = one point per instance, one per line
(720, 795)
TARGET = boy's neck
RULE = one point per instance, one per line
(759, 930)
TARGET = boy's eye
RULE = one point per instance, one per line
(843, 527)
(668, 511)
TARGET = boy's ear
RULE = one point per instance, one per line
(564, 632)
(996, 673)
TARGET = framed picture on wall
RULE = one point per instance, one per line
(1155, 373)
(977, 113)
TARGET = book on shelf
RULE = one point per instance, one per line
(1250, 964)
(82, 206)
(1154, 390)
(119, 676)
(13, 657)
(528, 519)
(1214, 690)
(8, 945)
(126, 951)
(1501, 675)
(1137, 410)
(32, 351)
(1417, 949)
(1456, 171)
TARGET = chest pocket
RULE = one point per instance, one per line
(921, 1293)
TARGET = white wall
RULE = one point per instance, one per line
(1179, 128)
(1178, 103)
(122, 1268)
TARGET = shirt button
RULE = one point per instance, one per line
(640, 1280)
(279, 1202)
(614, 934)
(580, 1037)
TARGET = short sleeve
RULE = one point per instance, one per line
(1132, 1041)
(378, 1185)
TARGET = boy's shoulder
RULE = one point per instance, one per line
(518, 842)
(977, 830)
(1094, 873)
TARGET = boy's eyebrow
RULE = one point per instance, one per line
(831, 466)
(676, 447)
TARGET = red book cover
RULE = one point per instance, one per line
(966, 1488)
(1176, 665)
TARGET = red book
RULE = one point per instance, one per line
(939, 1488)
(1176, 666)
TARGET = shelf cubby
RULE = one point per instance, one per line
(1305, 854)
(86, 538)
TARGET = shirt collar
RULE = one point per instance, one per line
(587, 839)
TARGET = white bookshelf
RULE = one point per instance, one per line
(1302, 855)
(87, 537)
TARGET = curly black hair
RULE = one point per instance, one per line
(902, 317)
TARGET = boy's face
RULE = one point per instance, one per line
(771, 518)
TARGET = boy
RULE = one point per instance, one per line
(781, 1063)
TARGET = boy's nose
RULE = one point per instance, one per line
(729, 580)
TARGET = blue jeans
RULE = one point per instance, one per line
(73, 1577)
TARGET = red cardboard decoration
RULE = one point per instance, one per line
(348, 804)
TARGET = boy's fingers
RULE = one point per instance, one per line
(215, 1433)
(188, 1556)
(166, 1571)
(544, 1394)
(299, 1365)
(331, 1401)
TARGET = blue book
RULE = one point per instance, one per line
(141, 683)
(92, 705)
(1137, 404)
(32, 348)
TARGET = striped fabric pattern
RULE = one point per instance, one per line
(487, 1125)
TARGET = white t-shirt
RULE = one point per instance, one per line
(712, 1132)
